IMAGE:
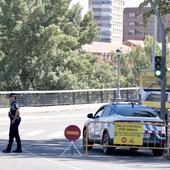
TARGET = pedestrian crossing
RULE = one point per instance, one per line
(57, 134)
(35, 134)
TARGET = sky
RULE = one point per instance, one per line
(128, 3)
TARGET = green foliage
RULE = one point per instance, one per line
(133, 63)
(163, 7)
(40, 43)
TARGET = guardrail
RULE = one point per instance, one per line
(67, 97)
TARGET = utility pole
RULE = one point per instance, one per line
(164, 113)
(163, 63)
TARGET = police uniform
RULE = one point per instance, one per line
(13, 131)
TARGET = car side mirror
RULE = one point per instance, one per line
(90, 115)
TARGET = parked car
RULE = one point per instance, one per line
(97, 129)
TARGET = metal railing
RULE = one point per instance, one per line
(67, 97)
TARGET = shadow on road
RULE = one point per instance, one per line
(54, 147)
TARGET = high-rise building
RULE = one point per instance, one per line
(134, 27)
(108, 15)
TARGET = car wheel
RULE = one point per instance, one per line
(134, 149)
(85, 141)
(106, 142)
(158, 152)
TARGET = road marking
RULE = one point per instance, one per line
(4, 133)
(57, 134)
(42, 118)
(33, 133)
(52, 161)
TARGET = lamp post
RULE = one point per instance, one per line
(118, 54)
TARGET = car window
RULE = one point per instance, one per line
(107, 111)
(99, 112)
(135, 111)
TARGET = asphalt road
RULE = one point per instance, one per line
(42, 133)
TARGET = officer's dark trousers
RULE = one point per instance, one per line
(14, 133)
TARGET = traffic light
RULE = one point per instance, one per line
(158, 67)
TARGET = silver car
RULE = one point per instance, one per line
(100, 127)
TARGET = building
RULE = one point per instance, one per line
(104, 50)
(134, 27)
(108, 15)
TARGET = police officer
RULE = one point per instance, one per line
(15, 120)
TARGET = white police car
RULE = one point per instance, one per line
(98, 130)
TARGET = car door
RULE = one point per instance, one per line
(106, 118)
(100, 122)
(93, 124)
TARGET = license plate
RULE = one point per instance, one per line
(146, 135)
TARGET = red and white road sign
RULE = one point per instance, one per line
(124, 139)
(72, 133)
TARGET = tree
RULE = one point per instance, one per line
(36, 39)
(163, 7)
(139, 58)
(133, 63)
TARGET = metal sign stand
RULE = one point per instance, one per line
(71, 147)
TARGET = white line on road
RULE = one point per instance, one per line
(6, 132)
(57, 134)
(43, 119)
(34, 133)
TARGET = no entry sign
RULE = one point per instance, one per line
(72, 133)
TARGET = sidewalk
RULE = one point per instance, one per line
(54, 108)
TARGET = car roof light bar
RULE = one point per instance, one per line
(121, 100)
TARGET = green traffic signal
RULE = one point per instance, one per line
(158, 66)
(157, 72)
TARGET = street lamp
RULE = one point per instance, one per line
(118, 54)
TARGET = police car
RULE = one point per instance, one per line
(99, 129)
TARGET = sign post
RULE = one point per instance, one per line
(72, 133)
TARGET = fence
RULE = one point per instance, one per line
(67, 97)
(133, 135)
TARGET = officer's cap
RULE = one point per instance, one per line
(12, 95)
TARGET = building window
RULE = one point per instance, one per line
(131, 23)
(138, 32)
(106, 2)
(139, 23)
(97, 2)
(132, 14)
(97, 9)
(104, 40)
(131, 32)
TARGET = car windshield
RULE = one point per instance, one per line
(136, 111)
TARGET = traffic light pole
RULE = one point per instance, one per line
(163, 62)
(164, 113)
(163, 82)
